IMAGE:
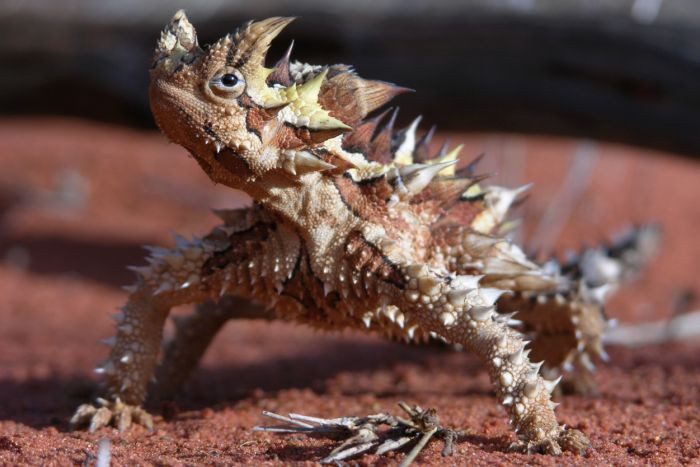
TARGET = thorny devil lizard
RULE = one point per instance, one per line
(353, 225)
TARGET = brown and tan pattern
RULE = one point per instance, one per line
(353, 226)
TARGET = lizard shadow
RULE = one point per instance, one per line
(655, 375)
(294, 452)
(50, 401)
(43, 402)
(346, 369)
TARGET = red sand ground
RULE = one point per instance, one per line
(77, 200)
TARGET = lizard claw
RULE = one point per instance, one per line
(568, 440)
(575, 441)
(105, 412)
(548, 446)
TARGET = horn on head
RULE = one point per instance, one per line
(246, 51)
(251, 44)
(177, 39)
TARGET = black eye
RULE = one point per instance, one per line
(229, 80)
(226, 84)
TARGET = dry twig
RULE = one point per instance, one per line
(362, 434)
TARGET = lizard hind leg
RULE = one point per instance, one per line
(459, 309)
(169, 280)
(193, 334)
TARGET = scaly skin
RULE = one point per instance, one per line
(352, 226)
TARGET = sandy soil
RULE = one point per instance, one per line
(77, 200)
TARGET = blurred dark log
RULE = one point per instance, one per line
(620, 70)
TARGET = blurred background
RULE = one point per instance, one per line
(595, 101)
(620, 70)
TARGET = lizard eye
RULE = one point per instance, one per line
(227, 84)
(229, 80)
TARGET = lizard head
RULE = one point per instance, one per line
(201, 97)
(243, 121)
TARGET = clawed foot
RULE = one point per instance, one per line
(361, 434)
(569, 440)
(574, 441)
(110, 412)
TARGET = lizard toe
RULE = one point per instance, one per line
(105, 413)
(575, 441)
(82, 416)
(100, 419)
(569, 439)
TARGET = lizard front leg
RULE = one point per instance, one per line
(460, 310)
(171, 279)
(563, 319)
(248, 257)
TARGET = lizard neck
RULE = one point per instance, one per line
(313, 206)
